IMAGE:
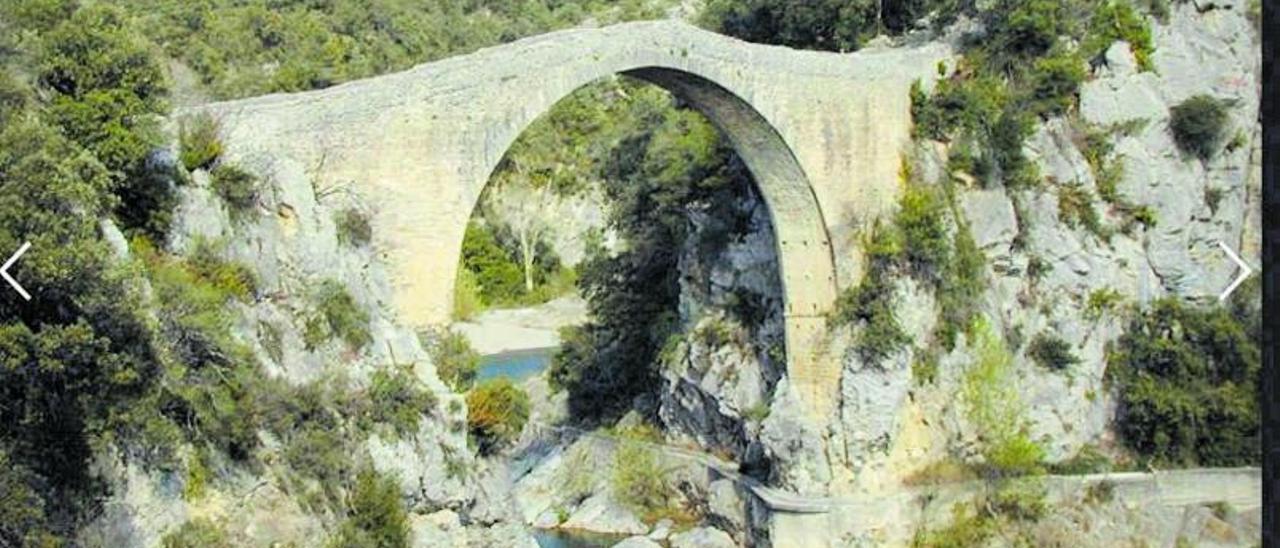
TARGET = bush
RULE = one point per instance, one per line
(1051, 352)
(354, 228)
(198, 137)
(1101, 492)
(823, 25)
(1199, 125)
(497, 414)
(961, 287)
(1102, 301)
(467, 301)
(197, 533)
(639, 481)
(871, 302)
(228, 277)
(1075, 209)
(1055, 80)
(376, 516)
(1087, 460)
(397, 398)
(921, 221)
(1187, 383)
(1117, 20)
(995, 409)
(236, 187)
(456, 362)
(337, 314)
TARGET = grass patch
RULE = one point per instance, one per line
(198, 141)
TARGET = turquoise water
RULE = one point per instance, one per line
(516, 366)
(556, 538)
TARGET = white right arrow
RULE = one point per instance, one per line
(1245, 272)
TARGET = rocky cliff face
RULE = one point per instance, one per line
(1046, 274)
(290, 240)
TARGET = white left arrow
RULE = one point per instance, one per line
(4, 271)
(1245, 272)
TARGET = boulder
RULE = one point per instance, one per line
(703, 537)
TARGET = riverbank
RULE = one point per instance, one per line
(521, 329)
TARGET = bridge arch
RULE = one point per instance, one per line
(803, 247)
(821, 133)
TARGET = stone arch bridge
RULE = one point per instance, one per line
(822, 134)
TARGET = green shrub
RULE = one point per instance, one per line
(197, 533)
(871, 302)
(353, 228)
(237, 188)
(1088, 460)
(921, 222)
(1075, 208)
(198, 138)
(1055, 81)
(1102, 301)
(376, 516)
(337, 314)
(1187, 382)
(456, 362)
(924, 370)
(640, 482)
(398, 399)
(229, 277)
(1051, 352)
(497, 413)
(467, 301)
(995, 408)
(961, 287)
(969, 527)
(1116, 20)
(1101, 492)
(1199, 125)
(198, 476)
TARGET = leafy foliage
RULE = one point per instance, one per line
(497, 413)
(353, 227)
(872, 302)
(456, 361)
(1199, 125)
(197, 533)
(995, 408)
(666, 165)
(237, 188)
(1051, 352)
(1187, 381)
(243, 48)
(376, 515)
(1117, 20)
(337, 314)
(397, 398)
(198, 138)
(639, 481)
(821, 25)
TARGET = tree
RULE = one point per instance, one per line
(525, 207)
